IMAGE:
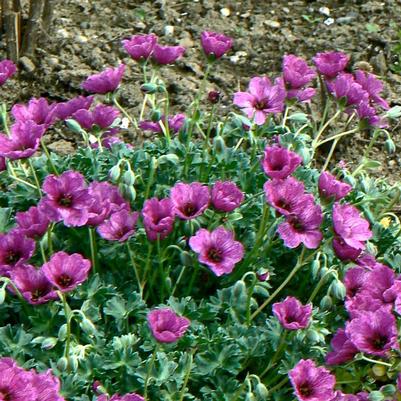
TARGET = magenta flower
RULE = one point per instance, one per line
(301, 95)
(37, 110)
(47, 386)
(345, 87)
(261, 99)
(373, 86)
(158, 218)
(354, 280)
(343, 349)
(67, 199)
(291, 314)
(217, 249)
(166, 325)
(3, 164)
(15, 249)
(117, 397)
(364, 302)
(101, 116)
(7, 70)
(279, 162)
(343, 251)
(215, 45)
(140, 47)
(66, 271)
(331, 188)
(190, 200)
(369, 114)
(119, 227)
(312, 383)
(374, 332)
(106, 81)
(65, 110)
(175, 123)
(330, 64)
(350, 226)
(164, 55)
(23, 142)
(296, 72)
(33, 223)
(226, 196)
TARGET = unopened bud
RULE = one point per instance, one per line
(213, 97)
(149, 88)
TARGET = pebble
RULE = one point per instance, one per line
(272, 23)
(286, 10)
(325, 11)
(329, 21)
(225, 12)
(53, 61)
(81, 39)
(169, 30)
(345, 20)
(27, 64)
(63, 33)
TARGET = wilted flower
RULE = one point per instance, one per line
(158, 218)
(312, 383)
(217, 249)
(101, 116)
(118, 397)
(106, 81)
(296, 72)
(331, 188)
(140, 47)
(37, 110)
(261, 99)
(190, 200)
(166, 325)
(167, 54)
(291, 314)
(65, 110)
(279, 162)
(373, 86)
(343, 349)
(66, 271)
(119, 227)
(33, 223)
(330, 64)
(226, 196)
(175, 123)
(7, 70)
(215, 44)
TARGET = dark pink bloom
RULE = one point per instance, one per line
(140, 47)
(47, 386)
(158, 218)
(368, 261)
(226, 196)
(330, 64)
(101, 116)
(302, 95)
(345, 87)
(374, 332)
(331, 188)
(119, 227)
(261, 99)
(3, 164)
(33, 284)
(217, 249)
(343, 251)
(23, 142)
(312, 383)
(33, 223)
(350, 226)
(117, 397)
(166, 325)
(67, 199)
(190, 200)
(66, 271)
(399, 382)
(280, 162)
(340, 396)
(263, 275)
(291, 314)
(167, 54)
(175, 123)
(296, 72)
(354, 280)
(37, 110)
(215, 44)
(369, 114)
(105, 81)
(343, 349)
(7, 70)
(373, 86)
(15, 249)
(363, 302)
(65, 110)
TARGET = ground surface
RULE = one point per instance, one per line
(86, 38)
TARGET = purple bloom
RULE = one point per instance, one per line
(175, 123)
(291, 314)
(166, 325)
(343, 251)
(118, 397)
(280, 162)
(47, 386)
(37, 110)
(67, 199)
(374, 332)
(167, 54)
(15, 249)
(354, 280)
(296, 72)
(106, 81)
(158, 218)
(65, 110)
(33, 223)
(190, 200)
(102, 116)
(7, 70)
(343, 349)
(368, 114)
(217, 249)
(66, 271)
(373, 86)
(312, 383)
(215, 44)
(331, 188)
(345, 87)
(261, 99)
(23, 142)
(363, 302)
(119, 227)
(330, 64)
(3, 164)
(226, 196)
(33, 284)
(350, 226)
(301, 95)
(140, 47)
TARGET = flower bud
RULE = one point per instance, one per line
(73, 126)
(88, 327)
(129, 177)
(239, 290)
(390, 145)
(149, 88)
(2, 295)
(213, 97)
(49, 343)
(62, 332)
(379, 370)
(326, 303)
(388, 390)
(73, 363)
(337, 289)
(261, 391)
(376, 396)
(219, 145)
(115, 172)
(62, 364)
(186, 258)
(156, 115)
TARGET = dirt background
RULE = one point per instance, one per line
(86, 37)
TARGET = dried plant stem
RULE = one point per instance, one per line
(11, 28)
(33, 28)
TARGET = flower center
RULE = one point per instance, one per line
(283, 204)
(12, 257)
(65, 201)
(296, 224)
(37, 293)
(260, 104)
(5, 395)
(305, 390)
(379, 342)
(64, 280)
(215, 255)
(189, 209)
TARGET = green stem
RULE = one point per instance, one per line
(37, 182)
(278, 385)
(150, 367)
(42, 251)
(68, 315)
(4, 118)
(365, 358)
(188, 373)
(153, 168)
(248, 301)
(328, 122)
(44, 147)
(147, 265)
(178, 280)
(131, 256)
(121, 108)
(92, 243)
(371, 143)
(330, 155)
(352, 131)
(49, 238)
(319, 286)
(14, 177)
(276, 354)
